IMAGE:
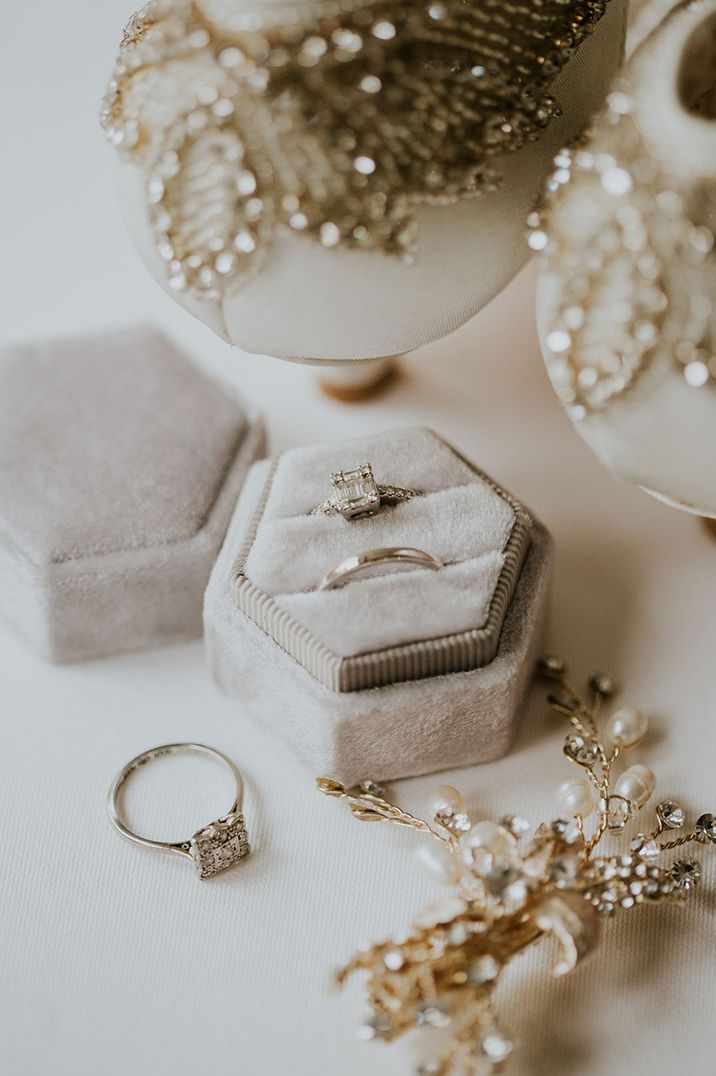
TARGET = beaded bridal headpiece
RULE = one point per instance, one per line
(331, 120)
(508, 892)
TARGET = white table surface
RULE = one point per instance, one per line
(116, 961)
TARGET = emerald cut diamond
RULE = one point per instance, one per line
(357, 492)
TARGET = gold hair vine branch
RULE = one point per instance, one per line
(329, 120)
(508, 893)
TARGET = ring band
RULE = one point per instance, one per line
(358, 494)
(363, 563)
(212, 848)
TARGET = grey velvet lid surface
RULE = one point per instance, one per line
(109, 444)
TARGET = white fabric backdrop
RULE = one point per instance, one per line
(117, 961)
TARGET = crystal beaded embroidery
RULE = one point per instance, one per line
(329, 120)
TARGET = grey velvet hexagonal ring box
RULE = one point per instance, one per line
(391, 675)
(120, 465)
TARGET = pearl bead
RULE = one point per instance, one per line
(576, 797)
(487, 844)
(439, 861)
(636, 784)
(628, 725)
(445, 800)
(490, 836)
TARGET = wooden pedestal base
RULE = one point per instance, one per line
(710, 525)
(356, 382)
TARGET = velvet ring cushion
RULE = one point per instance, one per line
(120, 464)
(398, 656)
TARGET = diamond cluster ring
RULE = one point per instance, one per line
(213, 848)
(358, 494)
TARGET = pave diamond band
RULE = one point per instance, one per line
(377, 561)
(212, 848)
(358, 494)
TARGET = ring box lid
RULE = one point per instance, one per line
(120, 463)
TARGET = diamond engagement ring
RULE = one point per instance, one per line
(358, 494)
(375, 561)
(213, 848)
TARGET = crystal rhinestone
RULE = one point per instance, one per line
(518, 827)
(567, 831)
(551, 666)
(670, 814)
(706, 829)
(696, 374)
(384, 30)
(347, 40)
(686, 873)
(155, 191)
(330, 234)
(563, 871)
(571, 833)
(230, 57)
(496, 1047)
(603, 685)
(561, 698)
(646, 849)
(225, 263)
(615, 892)
(458, 934)
(393, 960)
(581, 751)
(538, 239)
(369, 788)
(371, 84)
(431, 1067)
(365, 165)
(618, 813)
(484, 969)
(558, 341)
(434, 1015)
(219, 845)
(245, 242)
(503, 878)
(246, 182)
(376, 1027)
(455, 821)
(616, 181)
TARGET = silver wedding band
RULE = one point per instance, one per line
(368, 562)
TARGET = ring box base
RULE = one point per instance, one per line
(398, 730)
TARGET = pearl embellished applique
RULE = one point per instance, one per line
(507, 892)
(330, 120)
(630, 249)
